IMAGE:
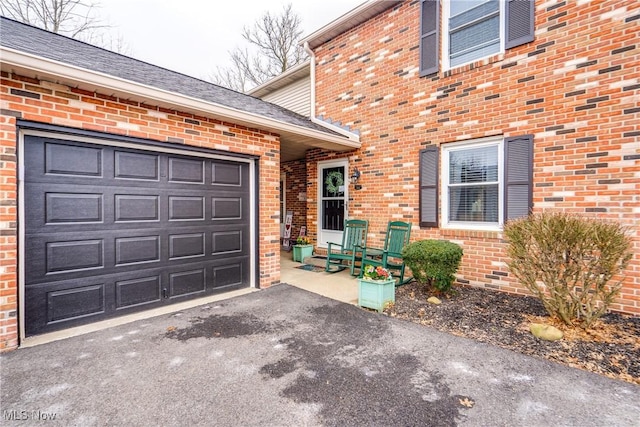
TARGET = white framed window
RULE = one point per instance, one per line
(473, 29)
(472, 184)
(476, 184)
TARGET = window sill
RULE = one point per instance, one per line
(457, 233)
(458, 69)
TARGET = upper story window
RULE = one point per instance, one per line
(472, 29)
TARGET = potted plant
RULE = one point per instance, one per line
(302, 249)
(376, 288)
(303, 241)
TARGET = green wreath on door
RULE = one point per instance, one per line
(333, 182)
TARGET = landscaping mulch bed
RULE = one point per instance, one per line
(611, 347)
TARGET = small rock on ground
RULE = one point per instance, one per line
(546, 332)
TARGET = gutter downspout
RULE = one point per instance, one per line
(312, 72)
(312, 57)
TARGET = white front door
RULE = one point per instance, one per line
(332, 200)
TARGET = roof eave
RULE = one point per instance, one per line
(348, 21)
(59, 72)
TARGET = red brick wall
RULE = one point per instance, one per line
(8, 234)
(296, 194)
(46, 102)
(576, 88)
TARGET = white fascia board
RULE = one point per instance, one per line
(339, 22)
(47, 67)
(351, 19)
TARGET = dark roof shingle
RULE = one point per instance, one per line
(42, 43)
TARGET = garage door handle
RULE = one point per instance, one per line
(165, 294)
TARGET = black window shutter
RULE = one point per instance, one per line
(519, 22)
(429, 187)
(429, 36)
(518, 188)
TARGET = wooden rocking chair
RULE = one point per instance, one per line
(390, 256)
(354, 239)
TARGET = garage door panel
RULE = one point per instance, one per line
(182, 170)
(64, 159)
(112, 251)
(56, 159)
(226, 208)
(59, 256)
(117, 167)
(62, 207)
(223, 173)
(186, 245)
(187, 282)
(137, 250)
(136, 208)
(186, 208)
(136, 166)
(73, 208)
(74, 303)
(138, 292)
(83, 254)
(74, 255)
(62, 255)
(228, 275)
(63, 304)
(110, 231)
(226, 242)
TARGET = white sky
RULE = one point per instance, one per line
(194, 36)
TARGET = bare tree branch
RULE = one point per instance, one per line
(77, 19)
(273, 40)
(68, 17)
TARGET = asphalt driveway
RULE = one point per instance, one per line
(287, 357)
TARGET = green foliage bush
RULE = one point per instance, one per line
(573, 264)
(433, 262)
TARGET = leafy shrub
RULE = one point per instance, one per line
(569, 262)
(433, 262)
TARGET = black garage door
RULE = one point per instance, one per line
(110, 230)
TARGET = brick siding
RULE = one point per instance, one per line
(575, 88)
(46, 102)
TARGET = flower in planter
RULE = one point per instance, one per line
(302, 240)
(376, 273)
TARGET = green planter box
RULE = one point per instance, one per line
(376, 294)
(300, 252)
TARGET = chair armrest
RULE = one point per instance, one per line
(332, 244)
